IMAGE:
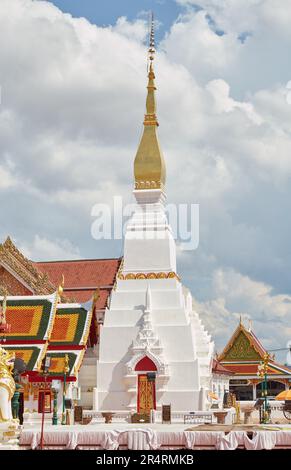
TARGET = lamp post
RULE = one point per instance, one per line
(55, 390)
(262, 373)
(66, 370)
(45, 371)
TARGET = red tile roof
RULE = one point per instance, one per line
(252, 368)
(82, 277)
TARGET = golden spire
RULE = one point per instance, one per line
(4, 307)
(149, 165)
(61, 288)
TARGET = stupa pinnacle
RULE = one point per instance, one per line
(149, 164)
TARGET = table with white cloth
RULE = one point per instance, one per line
(151, 437)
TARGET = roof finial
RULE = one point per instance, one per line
(149, 165)
(61, 288)
(152, 49)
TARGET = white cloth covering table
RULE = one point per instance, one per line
(151, 437)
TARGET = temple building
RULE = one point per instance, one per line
(242, 356)
(21, 277)
(40, 326)
(24, 281)
(154, 349)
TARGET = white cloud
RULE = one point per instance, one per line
(241, 16)
(236, 296)
(250, 55)
(44, 249)
(133, 30)
(220, 90)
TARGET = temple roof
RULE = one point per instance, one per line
(21, 276)
(39, 326)
(217, 368)
(70, 326)
(82, 277)
(244, 352)
(31, 318)
(24, 270)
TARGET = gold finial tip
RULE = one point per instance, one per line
(151, 49)
(61, 287)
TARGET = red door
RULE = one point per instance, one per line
(44, 399)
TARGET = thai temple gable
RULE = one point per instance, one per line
(244, 352)
(18, 275)
(242, 346)
(21, 276)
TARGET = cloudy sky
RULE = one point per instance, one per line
(73, 77)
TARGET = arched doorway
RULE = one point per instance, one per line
(146, 395)
(273, 387)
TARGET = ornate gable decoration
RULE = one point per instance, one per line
(147, 343)
(14, 260)
(241, 347)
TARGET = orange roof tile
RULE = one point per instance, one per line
(252, 368)
(82, 277)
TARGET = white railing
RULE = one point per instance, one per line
(176, 416)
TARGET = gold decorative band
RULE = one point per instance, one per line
(150, 120)
(148, 185)
(161, 275)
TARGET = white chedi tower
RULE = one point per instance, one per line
(153, 349)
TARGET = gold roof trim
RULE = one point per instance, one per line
(37, 281)
(25, 269)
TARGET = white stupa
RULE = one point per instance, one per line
(154, 349)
